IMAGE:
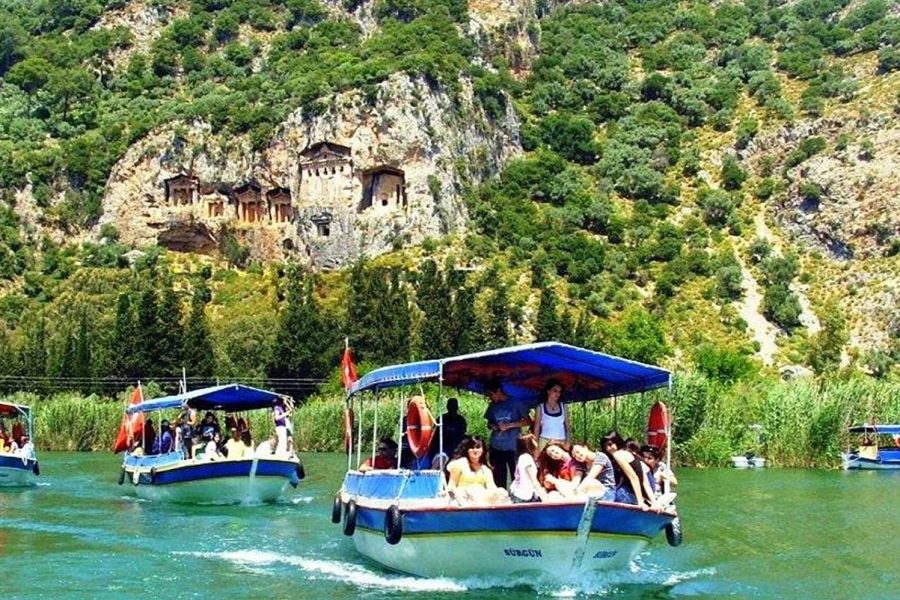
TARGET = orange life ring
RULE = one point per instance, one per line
(419, 426)
(348, 428)
(658, 426)
(897, 440)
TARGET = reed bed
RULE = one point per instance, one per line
(803, 422)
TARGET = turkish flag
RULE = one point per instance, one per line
(348, 369)
(132, 425)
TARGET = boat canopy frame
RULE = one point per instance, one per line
(870, 429)
(523, 371)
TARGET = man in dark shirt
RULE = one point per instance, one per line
(453, 428)
(164, 442)
(505, 419)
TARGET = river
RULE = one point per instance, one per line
(748, 534)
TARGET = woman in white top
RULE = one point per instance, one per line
(525, 486)
(551, 419)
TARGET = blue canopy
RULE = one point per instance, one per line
(524, 371)
(232, 397)
(876, 429)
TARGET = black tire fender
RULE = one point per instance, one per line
(122, 476)
(674, 532)
(393, 525)
(350, 518)
(336, 508)
(152, 474)
(36, 469)
(301, 472)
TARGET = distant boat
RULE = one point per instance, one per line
(750, 460)
(18, 463)
(406, 520)
(869, 455)
(175, 477)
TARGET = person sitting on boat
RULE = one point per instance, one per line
(289, 425)
(659, 471)
(164, 442)
(551, 417)
(149, 437)
(211, 451)
(136, 448)
(185, 431)
(208, 426)
(234, 447)
(18, 431)
(599, 479)
(557, 472)
(266, 448)
(525, 486)
(471, 480)
(649, 486)
(505, 419)
(626, 468)
(247, 440)
(26, 451)
(385, 458)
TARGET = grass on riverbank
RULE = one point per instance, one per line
(804, 421)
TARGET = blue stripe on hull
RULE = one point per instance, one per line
(536, 517)
(220, 469)
(15, 462)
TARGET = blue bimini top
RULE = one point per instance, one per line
(232, 397)
(524, 372)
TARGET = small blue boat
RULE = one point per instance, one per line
(175, 477)
(408, 522)
(869, 455)
(18, 464)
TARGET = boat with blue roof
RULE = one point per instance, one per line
(408, 521)
(870, 455)
(178, 475)
(18, 460)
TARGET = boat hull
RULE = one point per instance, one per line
(558, 542)
(885, 461)
(14, 472)
(547, 555)
(221, 482)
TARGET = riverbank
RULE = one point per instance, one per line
(804, 421)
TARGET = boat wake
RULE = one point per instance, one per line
(334, 570)
(301, 500)
(363, 577)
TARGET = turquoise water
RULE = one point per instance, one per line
(748, 534)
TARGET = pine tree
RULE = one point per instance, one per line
(169, 329)
(198, 351)
(547, 326)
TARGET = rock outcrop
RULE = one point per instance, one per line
(367, 175)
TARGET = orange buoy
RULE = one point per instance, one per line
(658, 426)
(419, 426)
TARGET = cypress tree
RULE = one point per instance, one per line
(34, 354)
(7, 361)
(432, 297)
(360, 305)
(547, 325)
(465, 326)
(123, 344)
(169, 329)
(496, 332)
(82, 367)
(147, 359)
(567, 328)
(397, 321)
(198, 351)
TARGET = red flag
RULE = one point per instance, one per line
(348, 369)
(132, 425)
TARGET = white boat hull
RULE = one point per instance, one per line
(742, 462)
(547, 555)
(236, 490)
(854, 462)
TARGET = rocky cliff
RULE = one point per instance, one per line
(421, 141)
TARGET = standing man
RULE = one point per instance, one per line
(505, 420)
(453, 428)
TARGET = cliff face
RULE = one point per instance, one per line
(366, 175)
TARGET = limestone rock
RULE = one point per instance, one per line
(365, 176)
